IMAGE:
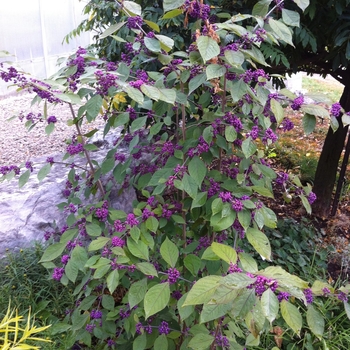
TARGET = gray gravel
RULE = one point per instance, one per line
(18, 145)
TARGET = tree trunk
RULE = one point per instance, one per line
(327, 166)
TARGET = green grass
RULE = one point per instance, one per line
(27, 285)
(331, 89)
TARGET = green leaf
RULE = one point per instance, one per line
(235, 58)
(291, 18)
(216, 206)
(261, 9)
(23, 179)
(248, 263)
(345, 119)
(208, 254)
(215, 71)
(151, 91)
(140, 343)
(112, 29)
(208, 47)
(347, 309)
(284, 279)
(208, 134)
(152, 25)
(220, 222)
(303, 4)
(76, 262)
(101, 271)
(169, 5)
(139, 249)
(53, 251)
(132, 8)
(315, 321)
(230, 133)
(152, 224)
(248, 147)
(184, 311)
(201, 341)
(167, 95)
(225, 252)
(277, 110)
(238, 90)
(199, 200)
(237, 280)
(244, 302)
(112, 281)
(44, 171)
(98, 243)
(90, 147)
(334, 123)
(260, 242)
(169, 252)
(244, 218)
(138, 123)
(134, 94)
(309, 123)
(147, 268)
(156, 299)
(256, 55)
(49, 128)
(292, 316)
(107, 165)
(93, 107)
(135, 233)
(269, 305)
(161, 343)
(202, 290)
(263, 191)
(306, 204)
(117, 214)
(172, 14)
(195, 82)
(213, 312)
(93, 230)
(197, 170)
(189, 186)
(315, 110)
(137, 292)
(281, 31)
(192, 264)
(166, 43)
(153, 45)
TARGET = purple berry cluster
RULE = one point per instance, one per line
(261, 284)
(58, 273)
(52, 119)
(297, 103)
(173, 275)
(336, 109)
(269, 136)
(4, 170)
(134, 22)
(117, 242)
(197, 10)
(164, 328)
(311, 197)
(73, 149)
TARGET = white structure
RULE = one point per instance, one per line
(33, 31)
(294, 82)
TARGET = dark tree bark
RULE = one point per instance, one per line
(327, 166)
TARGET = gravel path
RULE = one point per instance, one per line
(18, 145)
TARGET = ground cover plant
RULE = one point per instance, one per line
(175, 272)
